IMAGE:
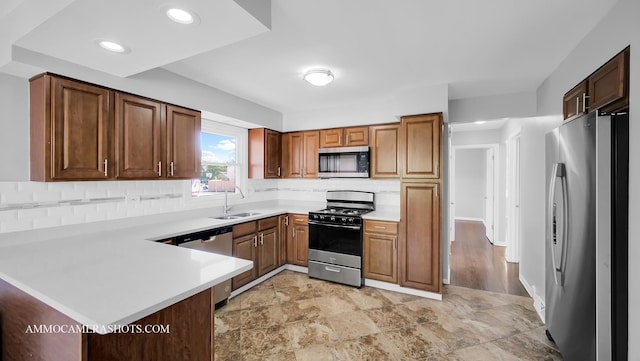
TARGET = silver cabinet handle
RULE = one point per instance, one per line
(106, 163)
(348, 139)
(331, 269)
(584, 102)
(577, 105)
(380, 227)
(255, 241)
(339, 140)
(160, 169)
(278, 171)
(286, 221)
(294, 232)
(395, 242)
(261, 239)
(171, 169)
(211, 239)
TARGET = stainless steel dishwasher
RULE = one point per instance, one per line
(218, 240)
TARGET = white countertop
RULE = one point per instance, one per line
(115, 274)
(383, 215)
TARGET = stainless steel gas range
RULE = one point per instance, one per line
(335, 237)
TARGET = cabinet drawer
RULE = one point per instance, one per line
(380, 227)
(301, 219)
(243, 229)
(267, 223)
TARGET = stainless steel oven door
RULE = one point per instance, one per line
(343, 239)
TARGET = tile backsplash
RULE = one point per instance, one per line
(34, 205)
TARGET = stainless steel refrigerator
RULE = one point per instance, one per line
(583, 173)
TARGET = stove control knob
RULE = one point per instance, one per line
(333, 218)
(321, 217)
(344, 219)
(350, 220)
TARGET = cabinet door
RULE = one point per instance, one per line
(293, 151)
(381, 257)
(301, 245)
(245, 248)
(138, 140)
(183, 143)
(419, 241)
(385, 151)
(283, 223)
(273, 157)
(356, 136)
(420, 150)
(331, 138)
(267, 251)
(574, 102)
(310, 150)
(609, 84)
(80, 131)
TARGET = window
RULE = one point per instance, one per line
(223, 168)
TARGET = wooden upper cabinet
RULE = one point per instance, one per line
(300, 154)
(609, 85)
(385, 151)
(356, 136)
(331, 138)
(420, 149)
(71, 128)
(183, 143)
(420, 239)
(138, 140)
(311, 145)
(341, 137)
(265, 153)
(574, 102)
(82, 131)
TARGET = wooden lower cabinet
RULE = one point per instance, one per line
(381, 251)
(419, 237)
(283, 224)
(298, 240)
(256, 241)
(190, 336)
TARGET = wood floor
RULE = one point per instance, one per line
(477, 264)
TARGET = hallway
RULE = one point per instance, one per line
(477, 264)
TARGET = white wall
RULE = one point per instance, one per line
(14, 128)
(517, 105)
(619, 28)
(431, 99)
(470, 183)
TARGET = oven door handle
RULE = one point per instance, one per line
(334, 225)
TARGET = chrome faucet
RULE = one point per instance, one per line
(226, 208)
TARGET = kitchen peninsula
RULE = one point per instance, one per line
(98, 281)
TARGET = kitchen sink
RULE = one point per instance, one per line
(238, 215)
(246, 214)
(227, 217)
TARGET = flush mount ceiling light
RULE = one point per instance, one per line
(480, 122)
(318, 77)
(113, 46)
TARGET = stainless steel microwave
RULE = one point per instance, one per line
(343, 162)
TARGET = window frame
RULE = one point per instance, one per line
(242, 141)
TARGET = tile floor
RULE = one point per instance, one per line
(293, 317)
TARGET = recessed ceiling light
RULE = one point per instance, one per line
(180, 16)
(318, 77)
(113, 46)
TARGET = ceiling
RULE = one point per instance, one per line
(374, 47)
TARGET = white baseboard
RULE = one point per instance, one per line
(470, 219)
(538, 301)
(396, 288)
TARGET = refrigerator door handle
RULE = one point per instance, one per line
(559, 171)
